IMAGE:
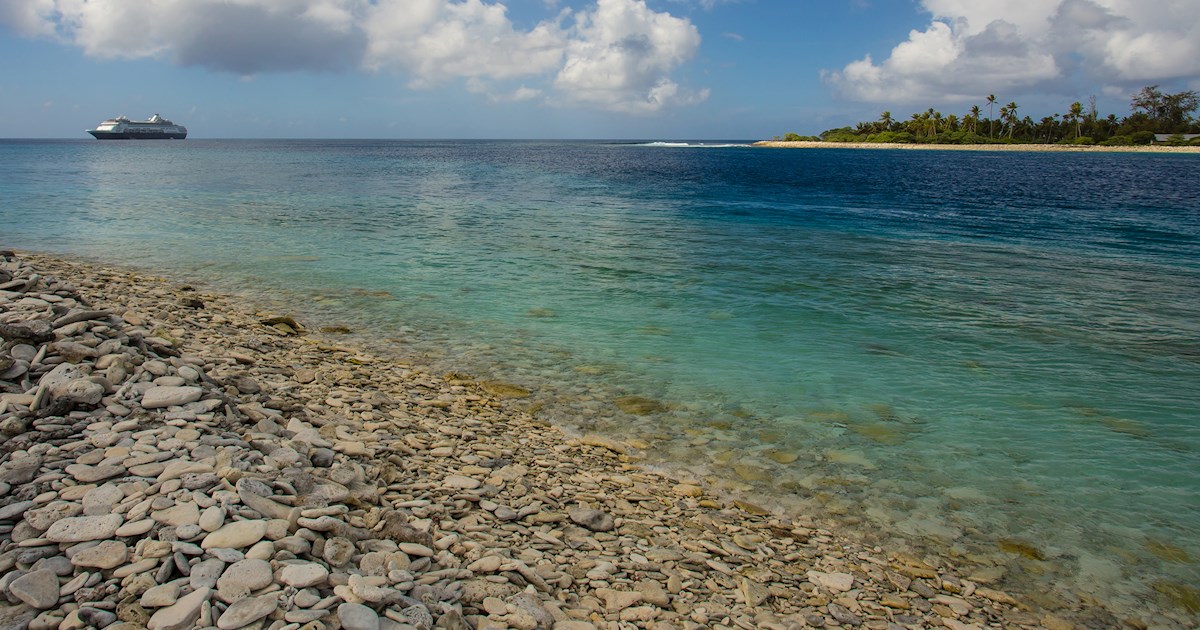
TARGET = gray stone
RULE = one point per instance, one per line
(19, 471)
(244, 577)
(80, 391)
(246, 611)
(843, 615)
(322, 457)
(254, 493)
(36, 588)
(42, 518)
(13, 510)
(205, 574)
(595, 520)
(96, 618)
(418, 616)
(338, 551)
(90, 474)
(61, 374)
(357, 617)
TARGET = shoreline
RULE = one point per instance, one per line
(493, 482)
(1035, 148)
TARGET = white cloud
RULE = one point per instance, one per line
(620, 55)
(972, 48)
(616, 54)
(436, 40)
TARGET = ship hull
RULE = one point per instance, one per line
(144, 135)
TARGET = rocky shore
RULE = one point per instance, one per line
(171, 459)
(1040, 148)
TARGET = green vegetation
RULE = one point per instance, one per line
(1153, 112)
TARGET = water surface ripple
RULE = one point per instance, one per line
(994, 354)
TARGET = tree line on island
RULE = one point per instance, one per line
(1153, 112)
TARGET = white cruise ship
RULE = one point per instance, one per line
(156, 128)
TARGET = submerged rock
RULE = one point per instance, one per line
(639, 405)
(504, 390)
(1021, 548)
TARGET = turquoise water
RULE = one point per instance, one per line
(970, 351)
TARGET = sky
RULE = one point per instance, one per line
(549, 69)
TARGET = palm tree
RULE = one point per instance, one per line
(886, 120)
(937, 121)
(1077, 116)
(1012, 113)
(974, 119)
(991, 100)
(952, 123)
(1047, 126)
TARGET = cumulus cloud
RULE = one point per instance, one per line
(616, 54)
(620, 54)
(971, 48)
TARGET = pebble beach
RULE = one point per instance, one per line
(173, 458)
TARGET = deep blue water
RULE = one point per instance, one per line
(943, 348)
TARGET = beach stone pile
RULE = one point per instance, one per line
(172, 460)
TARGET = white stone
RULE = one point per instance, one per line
(181, 615)
(179, 514)
(84, 528)
(158, 397)
(460, 481)
(161, 595)
(301, 575)
(212, 518)
(838, 582)
(236, 535)
(107, 555)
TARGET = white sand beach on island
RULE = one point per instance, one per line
(1038, 148)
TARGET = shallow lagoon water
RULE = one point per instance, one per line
(995, 354)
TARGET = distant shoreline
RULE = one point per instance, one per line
(1045, 148)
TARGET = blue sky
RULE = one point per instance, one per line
(654, 69)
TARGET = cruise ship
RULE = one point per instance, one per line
(121, 128)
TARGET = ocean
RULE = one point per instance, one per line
(990, 356)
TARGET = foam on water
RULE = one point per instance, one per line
(694, 145)
(993, 356)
